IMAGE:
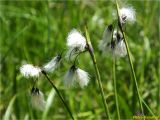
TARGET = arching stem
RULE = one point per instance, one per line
(60, 96)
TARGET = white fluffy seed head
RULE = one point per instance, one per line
(37, 99)
(120, 49)
(116, 46)
(76, 40)
(127, 14)
(107, 35)
(29, 70)
(76, 76)
(70, 77)
(82, 77)
(52, 65)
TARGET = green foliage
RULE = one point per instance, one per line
(35, 31)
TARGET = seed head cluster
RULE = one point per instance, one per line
(112, 40)
(31, 71)
(76, 44)
(76, 75)
(37, 99)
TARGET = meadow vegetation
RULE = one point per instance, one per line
(36, 31)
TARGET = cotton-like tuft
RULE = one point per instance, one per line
(76, 40)
(107, 36)
(120, 49)
(82, 77)
(116, 46)
(37, 99)
(29, 70)
(76, 76)
(127, 14)
(70, 77)
(52, 65)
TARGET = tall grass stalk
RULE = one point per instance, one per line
(60, 96)
(129, 57)
(89, 45)
(115, 86)
(15, 91)
(9, 108)
(149, 109)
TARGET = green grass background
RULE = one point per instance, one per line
(35, 31)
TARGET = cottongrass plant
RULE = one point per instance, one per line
(37, 97)
(93, 58)
(29, 70)
(53, 64)
(76, 75)
(113, 41)
(76, 43)
(118, 48)
(124, 15)
(127, 14)
(76, 40)
(106, 40)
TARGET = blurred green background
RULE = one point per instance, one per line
(35, 31)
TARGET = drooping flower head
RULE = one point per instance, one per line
(76, 75)
(82, 77)
(37, 99)
(29, 70)
(53, 64)
(70, 77)
(120, 49)
(76, 40)
(76, 43)
(107, 36)
(127, 14)
(115, 45)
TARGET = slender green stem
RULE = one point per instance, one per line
(60, 96)
(90, 49)
(147, 107)
(115, 86)
(129, 57)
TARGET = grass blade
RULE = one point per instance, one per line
(9, 108)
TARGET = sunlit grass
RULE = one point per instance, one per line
(34, 32)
